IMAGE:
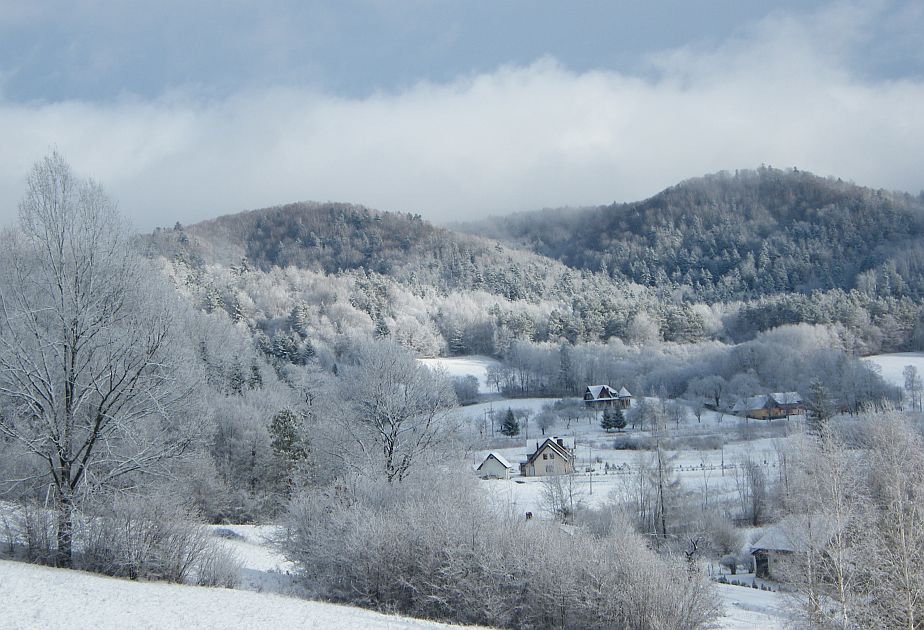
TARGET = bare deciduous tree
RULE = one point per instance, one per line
(398, 412)
(90, 370)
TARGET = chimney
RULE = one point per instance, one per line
(561, 442)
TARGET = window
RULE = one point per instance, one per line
(549, 468)
(551, 455)
(544, 456)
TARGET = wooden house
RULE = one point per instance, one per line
(601, 396)
(553, 456)
(788, 403)
(767, 406)
(495, 466)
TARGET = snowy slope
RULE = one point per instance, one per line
(46, 598)
(891, 365)
(474, 365)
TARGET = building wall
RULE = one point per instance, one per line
(492, 468)
(553, 464)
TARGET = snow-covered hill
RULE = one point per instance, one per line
(40, 597)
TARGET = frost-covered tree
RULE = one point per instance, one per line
(93, 377)
(398, 411)
(613, 419)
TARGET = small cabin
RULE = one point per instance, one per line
(602, 396)
(553, 456)
(495, 466)
(793, 536)
(768, 406)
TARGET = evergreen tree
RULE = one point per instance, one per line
(510, 426)
(820, 407)
(619, 420)
(236, 378)
(613, 418)
(256, 378)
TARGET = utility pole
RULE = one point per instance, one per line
(591, 447)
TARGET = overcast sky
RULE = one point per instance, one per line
(188, 110)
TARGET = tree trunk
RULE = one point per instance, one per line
(65, 534)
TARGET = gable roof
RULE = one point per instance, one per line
(786, 398)
(751, 404)
(605, 392)
(500, 459)
(551, 443)
(600, 392)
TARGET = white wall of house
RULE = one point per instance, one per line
(491, 468)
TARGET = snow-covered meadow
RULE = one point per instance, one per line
(35, 597)
(891, 366)
(457, 367)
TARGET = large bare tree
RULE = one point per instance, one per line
(398, 411)
(93, 383)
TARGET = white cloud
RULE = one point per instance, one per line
(780, 92)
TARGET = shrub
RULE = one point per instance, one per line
(438, 550)
(154, 538)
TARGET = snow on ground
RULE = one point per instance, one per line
(893, 364)
(708, 468)
(42, 597)
(473, 365)
(747, 608)
(263, 568)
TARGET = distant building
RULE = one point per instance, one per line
(606, 396)
(793, 536)
(553, 456)
(495, 466)
(765, 406)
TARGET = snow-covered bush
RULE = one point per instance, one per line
(220, 566)
(435, 548)
(153, 538)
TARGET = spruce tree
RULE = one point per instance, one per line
(510, 427)
(620, 419)
(613, 418)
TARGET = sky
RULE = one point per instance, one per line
(452, 109)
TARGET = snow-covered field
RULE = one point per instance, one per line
(892, 365)
(474, 365)
(748, 608)
(41, 597)
(35, 597)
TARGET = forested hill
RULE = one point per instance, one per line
(763, 249)
(740, 236)
(333, 238)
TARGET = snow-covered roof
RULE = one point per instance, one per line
(605, 392)
(601, 391)
(500, 458)
(750, 404)
(787, 398)
(795, 533)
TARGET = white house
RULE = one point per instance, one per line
(494, 466)
(553, 456)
